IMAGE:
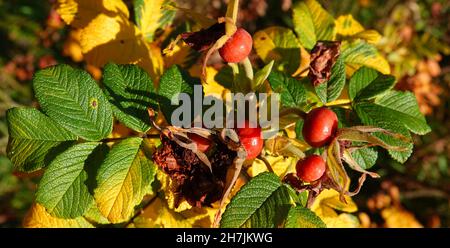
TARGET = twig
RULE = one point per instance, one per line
(269, 167)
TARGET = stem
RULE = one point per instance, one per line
(345, 104)
(248, 68)
(107, 140)
(141, 211)
(269, 167)
(300, 113)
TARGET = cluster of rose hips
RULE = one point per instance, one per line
(250, 138)
(319, 127)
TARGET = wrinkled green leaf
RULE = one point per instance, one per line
(262, 202)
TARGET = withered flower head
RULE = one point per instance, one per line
(200, 178)
(323, 56)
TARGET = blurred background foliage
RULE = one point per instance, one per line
(416, 42)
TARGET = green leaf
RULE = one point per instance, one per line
(261, 76)
(359, 53)
(64, 189)
(312, 23)
(73, 99)
(130, 90)
(367, 83)
(123, 179)
(262, 202)
(404, 106)
(292, 91)
(34, 139)
(300, 217)
(174, 81)
(375, 115)
(280, 45)
(365, 157)
(331, 90)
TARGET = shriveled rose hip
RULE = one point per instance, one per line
(311, 168)
(238, 47)
(319, 127)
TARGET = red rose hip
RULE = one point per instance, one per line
(311, 168)
(238, 47)
(203, 144)
(251, 140)
(319, 127)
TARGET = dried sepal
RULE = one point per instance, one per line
(364, 134)
(284, 146)
(348, 158)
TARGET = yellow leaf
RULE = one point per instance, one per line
(181, 54)
(330, 198)
(72, 47)
(397, 217)
(312, 23)
(108, 35)
(94, 215)
(79, 13)
(151, 16)
(281, 165)
(158, 214)
(210, 86)
(278, 44)
(347, 26)
(359, 53)
(342, 221)
(37, 217)
(123, 179)
(328, 202)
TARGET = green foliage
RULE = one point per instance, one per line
(130, 91)
(262, 202)
(173, 81)
(92, 175)
(367, 83)
(300, 217)
(312, 23)
(331, 90)
(34, 139)
(64, 189)
(292, 91)
(73, 99)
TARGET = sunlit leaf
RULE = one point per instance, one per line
(280, 45)
(300, 217)
(359, 53)
(150, 15)
(312, 23)
(37, 217)
(124, 178)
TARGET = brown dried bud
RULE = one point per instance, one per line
(323, 56)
